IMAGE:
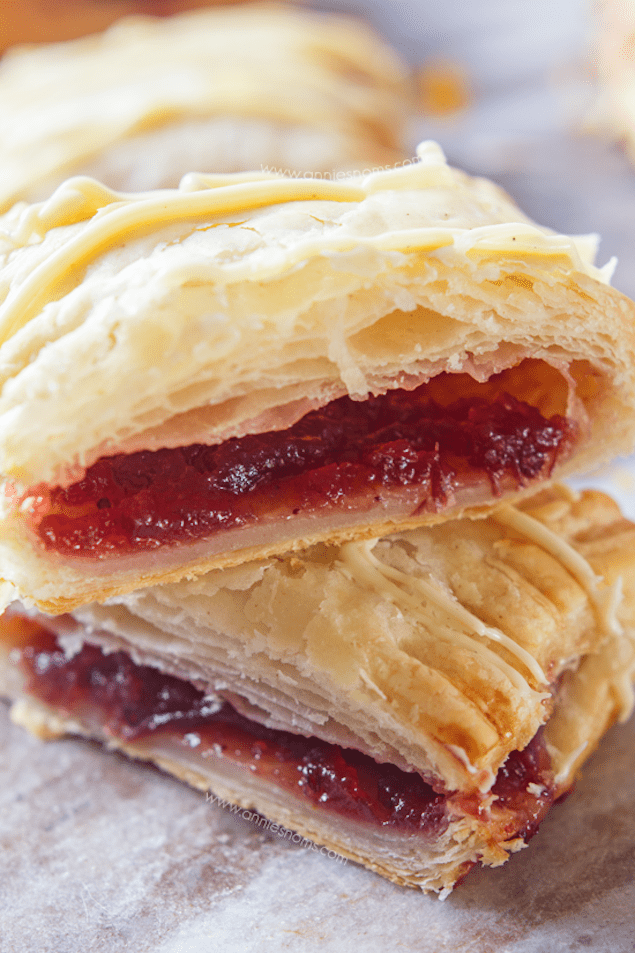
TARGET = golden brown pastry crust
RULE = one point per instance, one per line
(351, 646)
(236, 305)
(424, 629)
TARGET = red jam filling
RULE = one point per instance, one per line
(522, 768)
(347, 455)
(135, 701)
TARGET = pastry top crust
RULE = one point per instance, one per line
(439, 649)
(236, 304)
(63, 105)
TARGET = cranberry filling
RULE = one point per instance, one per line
(134, 701)
(523, 768)
(347, 455)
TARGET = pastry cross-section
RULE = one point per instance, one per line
(194, 378)
(415, 703)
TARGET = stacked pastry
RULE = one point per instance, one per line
(218, 90)
(279, 503)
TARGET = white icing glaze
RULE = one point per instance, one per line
(115, 220)
(111, 217)
(605, 601)
(486, 776)
(197, 292)
(415, 595)
(565, 761)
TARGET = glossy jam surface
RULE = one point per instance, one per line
(133, 702)
(347, 455)
(136, 701)
(524, 786)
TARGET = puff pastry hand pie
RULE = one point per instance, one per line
(193, 378)
(415, 703)
(219, 90)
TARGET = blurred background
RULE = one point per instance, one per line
(506, 88)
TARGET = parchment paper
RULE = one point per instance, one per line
(100, 854)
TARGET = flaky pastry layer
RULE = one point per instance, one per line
(237, 305)
(441, 650)
(438, 650)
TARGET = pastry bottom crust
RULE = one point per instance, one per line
(481, 831)
(440, 654)
(433, 864)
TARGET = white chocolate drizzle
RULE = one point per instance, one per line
(362, 564)
(112, 221)
(624, 689)
(110, 217)
(605, 601)
(565, 762)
